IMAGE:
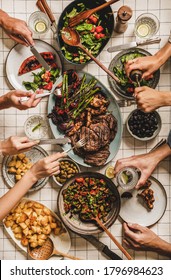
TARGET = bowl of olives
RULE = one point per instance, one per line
(143, 126)
(68, 168)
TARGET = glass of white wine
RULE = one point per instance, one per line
(39, 23)
(146, 26)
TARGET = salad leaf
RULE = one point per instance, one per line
(84, 26)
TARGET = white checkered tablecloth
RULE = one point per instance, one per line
(12, 121)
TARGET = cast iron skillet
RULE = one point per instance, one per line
(106, 15)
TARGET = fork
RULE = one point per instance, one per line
(125, 102)
(85, 14)
(78, 145)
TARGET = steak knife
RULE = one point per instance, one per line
(58, 141)
(133, 45)
(101, 247)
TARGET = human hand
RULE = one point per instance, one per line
(14, 28)
(141, 238)
(47, 166)
(12, 99)
(148, 65)
(14, 145)
(149, 99)
(146, 163)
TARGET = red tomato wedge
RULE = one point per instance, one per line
(31, 63)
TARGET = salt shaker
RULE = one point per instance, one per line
(123, 15)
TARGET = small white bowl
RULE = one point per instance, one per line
(70, 161)
(155, 133)
(30, 127)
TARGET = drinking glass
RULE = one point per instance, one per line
(39, 23)
(146, 26)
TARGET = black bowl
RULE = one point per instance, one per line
(116, 61)
(106, 16)
(88, 228)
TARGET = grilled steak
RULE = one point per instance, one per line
(111, 122)
(98, 158)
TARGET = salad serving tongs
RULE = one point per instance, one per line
(85, 14)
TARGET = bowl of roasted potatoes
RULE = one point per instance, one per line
(15, 166)
(30, 223)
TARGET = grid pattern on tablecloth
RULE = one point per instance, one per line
(12, 121)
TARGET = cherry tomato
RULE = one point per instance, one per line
(93, 19)
(99, 29)
(48, 86)
(79, 180)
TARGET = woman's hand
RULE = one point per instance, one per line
(14, 28)
(47, 166)
(12, 99)
(149, 99)
(15, 145)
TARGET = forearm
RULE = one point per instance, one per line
(161, 153)
(164, 248)
(13, 196)
(4, 102)
(3, 17)
(163, 54)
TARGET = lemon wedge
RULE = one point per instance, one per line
(124, 178)
(143, 30)
(110, 172)
(40, 27)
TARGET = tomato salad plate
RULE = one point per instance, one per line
(24, 71)
(85, 108)
(19, 226)
(87, 195)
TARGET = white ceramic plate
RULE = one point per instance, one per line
(61, 242)
(17, 55)
(31, 123)
(133, 210)
(34, 155)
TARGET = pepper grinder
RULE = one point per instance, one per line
(123, 15)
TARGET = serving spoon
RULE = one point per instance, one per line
(46, 251)
(99, 222)
(72, 38)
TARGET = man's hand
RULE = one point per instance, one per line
(15, 145)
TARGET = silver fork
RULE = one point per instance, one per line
(78, 145)
(125, 102)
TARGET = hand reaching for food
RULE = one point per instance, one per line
(15, 145)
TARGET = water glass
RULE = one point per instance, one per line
(39, 23)
(146, 26)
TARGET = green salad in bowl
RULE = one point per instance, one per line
(94, 32)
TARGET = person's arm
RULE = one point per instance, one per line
(149, 64)
(146, 163)
(14, 28)
(149, 99)
(12, 99)
(142, 238)
(43, 168)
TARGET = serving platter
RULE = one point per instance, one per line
(116, 61)
(34, 155)
(106, 16)
(113, 108)
(62, 241)
(133, 210)
(74, 223)
(17, 55)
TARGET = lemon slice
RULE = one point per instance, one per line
(124, 178)
(143, 30)
(40, 27)
(110, 172)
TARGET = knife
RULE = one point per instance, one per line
(101, 247)
(133, 45)
(58, 141)
(36, 54)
